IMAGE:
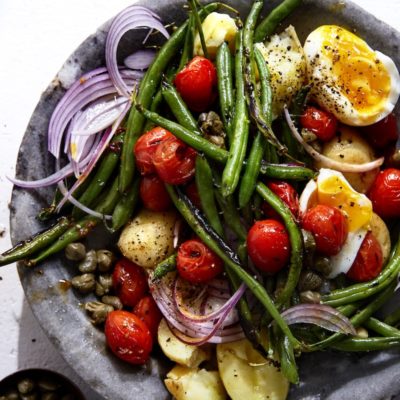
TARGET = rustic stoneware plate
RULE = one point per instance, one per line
(323, 376)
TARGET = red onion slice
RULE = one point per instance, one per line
(328, 162)
(141, 59)
(321, 315)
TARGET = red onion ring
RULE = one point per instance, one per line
(140, 59)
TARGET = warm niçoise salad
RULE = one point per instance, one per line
(253, 180)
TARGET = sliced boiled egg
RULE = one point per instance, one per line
(332, 189)
(358, 85)
(285, 58)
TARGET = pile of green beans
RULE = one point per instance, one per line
(229, 179)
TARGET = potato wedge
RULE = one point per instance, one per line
(247, 375)
(193, 384)
(148, 238)
(381, 232)
(181, 353)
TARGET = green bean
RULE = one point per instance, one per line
(216, 244)
(205, 187)
(49, 212)
(165, 266)
(358, 319)
(36, 243)
(225, 86)
(287, 359)
(266, 91)
(381, 328)
(148, 87)
(103, 173)
(368, 344)
(257, 201)
(286, 172)
(240, 127)
(296, 241)
(155, 106)
(178, 106)
(191, 138)
(125, 207)
(361, 291)
(197, 19)
(187, 52)
(270, 23)
(393, 318)
(81, 229)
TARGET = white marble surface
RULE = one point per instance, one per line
(35, 38)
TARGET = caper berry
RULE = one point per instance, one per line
(48, 386)
(89, 263)
(75, 251)
(310, 297)
(98, 311)
(105, 259)
(25, 386)
(105, 280)
(309, 280)
(322, 265)
(85, 283)
(113, 301)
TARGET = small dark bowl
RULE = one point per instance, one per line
(10, 382)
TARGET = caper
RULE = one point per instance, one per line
(308, 135)
(309, 280)
(309, 241)
(48, 386)
(105, 259)
(105, 280)
(30, 396)
(84, 283)
(98, 311)
(89, 263)
(310, 297)
(99, 290)
(217, 140)
(113, 301)
(75, 251)
(322, 265)
(50, 396)
(361, 332)
(3, 398)
(25, 386)
(12, 395)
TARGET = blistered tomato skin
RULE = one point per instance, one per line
(146, 146)
(128, 337)
(153, 194)
(385, 193)
(328, 226)
(322, 123)
(174, 161)
(287, 194)
(369, 261)
(129, 282)
(196, 263)
(268, 245)
(149, 313)
(383, 133)
(196, 83)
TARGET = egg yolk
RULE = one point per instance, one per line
(359, 74)
(335, 192)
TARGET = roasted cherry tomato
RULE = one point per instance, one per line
(268, 245)
(153, 193)
(385, 193)
(193, 194)
(320, 122)
(328, 226)
(196, 83)
(174, 161)
(287, 194)
(149, 313)
(383, 133)
(146, 146)
(196, 263)
(128, 337)
(129, 282)
(369, 261)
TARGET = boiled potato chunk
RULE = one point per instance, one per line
(247, 375)
(181, 353)
(286, 61)
(381, 232)
(217, 29)
(348, 146)
(148, 238)
(193, 384)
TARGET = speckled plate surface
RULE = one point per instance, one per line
(323, 376)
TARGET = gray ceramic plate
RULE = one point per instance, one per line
(323, 376)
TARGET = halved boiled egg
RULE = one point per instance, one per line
(358, 85)
(332, 189)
